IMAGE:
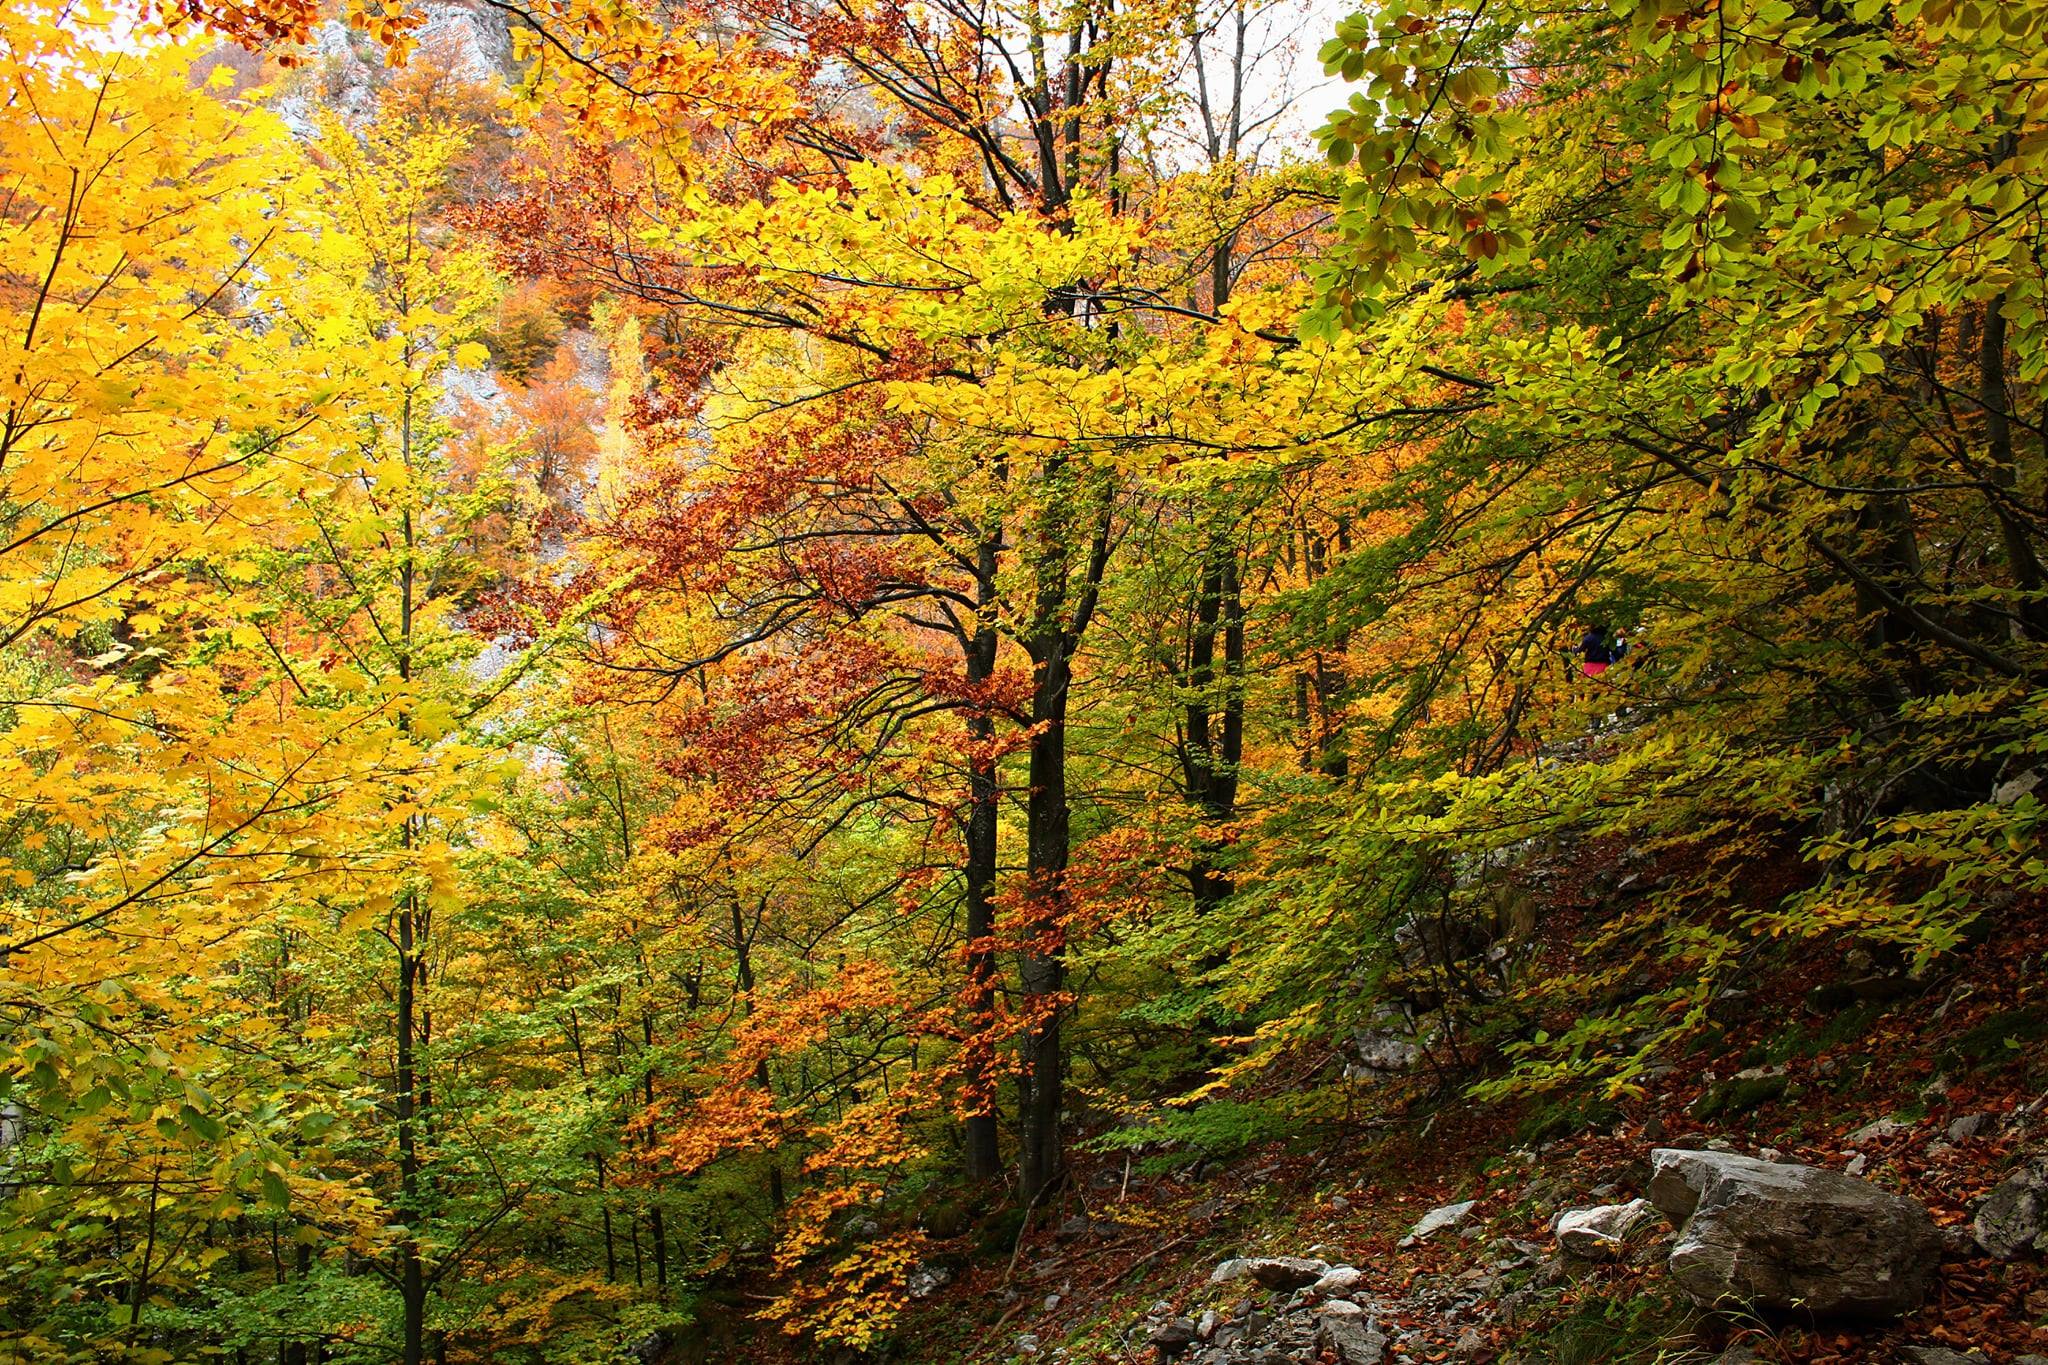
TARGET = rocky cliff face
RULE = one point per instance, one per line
(344, 70)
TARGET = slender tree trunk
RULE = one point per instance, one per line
(139, 1294)
(412, 1277)
(984, 1157)
(1326, 678)
(1044, 965)
(604, 1205)
(743, 959)
(2020, 557)
(655, 1228)
(412, 1283)
(1214, 724)
(1890, 558)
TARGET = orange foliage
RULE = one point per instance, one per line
(556, 414)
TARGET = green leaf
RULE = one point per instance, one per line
(207, 1127)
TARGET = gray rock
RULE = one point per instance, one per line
(1173, 1336)
(1284, 1272)
(1791, 1237)
(1957, 1241)
(2011, 790)
(1437, 1219)
(1337, 1279)
(1026, 1344)
(2014, 1217)
(1206, 1326)
(1942, 1355)
(1383, 1052)
(2030, 1360)
(1351, 1337)
(1603, 1232)
(1972, 1125)
(927, 1278)
(1229, 1270)
(1879, 1131)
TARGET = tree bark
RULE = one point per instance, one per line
(1047, 821)
(983, 1156)
(2021, 560)
(1213, 745)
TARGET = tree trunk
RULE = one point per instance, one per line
(1214, 724)
(655, 1228)
(2021, 560)
(412, 1273)
(1044, 965)
(1060, 614)
(983, 1157)
(743, 960)
(412, 1280)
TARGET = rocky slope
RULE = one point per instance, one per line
(1853, 1169)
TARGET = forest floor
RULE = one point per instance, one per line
(1819, 1065)
(1969, 1040)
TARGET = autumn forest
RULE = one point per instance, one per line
(843, 681)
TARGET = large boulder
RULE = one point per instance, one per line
(2014, 1217)
(1786, 1237)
